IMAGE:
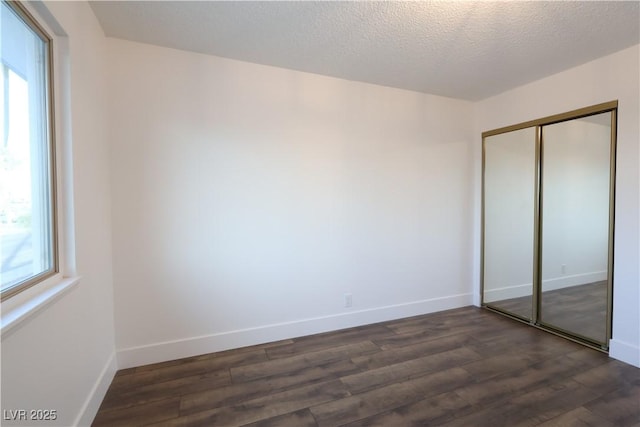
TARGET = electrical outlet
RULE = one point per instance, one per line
(348, 300)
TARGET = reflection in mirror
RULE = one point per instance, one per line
(575, 225)
(509, 191)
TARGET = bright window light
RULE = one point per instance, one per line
(27, 233)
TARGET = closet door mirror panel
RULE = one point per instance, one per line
(509, 174)
(575, 188)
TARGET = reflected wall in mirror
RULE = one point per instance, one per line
(575, 225)
(509, 196)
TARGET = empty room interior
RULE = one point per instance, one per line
(320, 213)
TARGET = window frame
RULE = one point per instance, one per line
(29, 20)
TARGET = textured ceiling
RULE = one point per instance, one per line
(468, 50)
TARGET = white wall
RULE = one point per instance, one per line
(612, 77)
(575, 208)
(248, 199)
(575, 217)
(509, 216)
(62, 358)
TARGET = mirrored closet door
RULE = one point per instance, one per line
(547, 216)
(509, 199)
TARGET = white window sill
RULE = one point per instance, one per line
(14, 312)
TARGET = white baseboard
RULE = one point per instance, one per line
(573, 280)
(508, 292)
(624, 352)
(553, 284)
(98, 391)
(170, 350)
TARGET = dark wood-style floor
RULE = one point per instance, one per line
(580, 309)
(463, 367)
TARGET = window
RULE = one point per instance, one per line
(28, 249)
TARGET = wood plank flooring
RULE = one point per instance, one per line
(463, 367)
(579, 309)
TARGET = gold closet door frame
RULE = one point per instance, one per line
(611, 107)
